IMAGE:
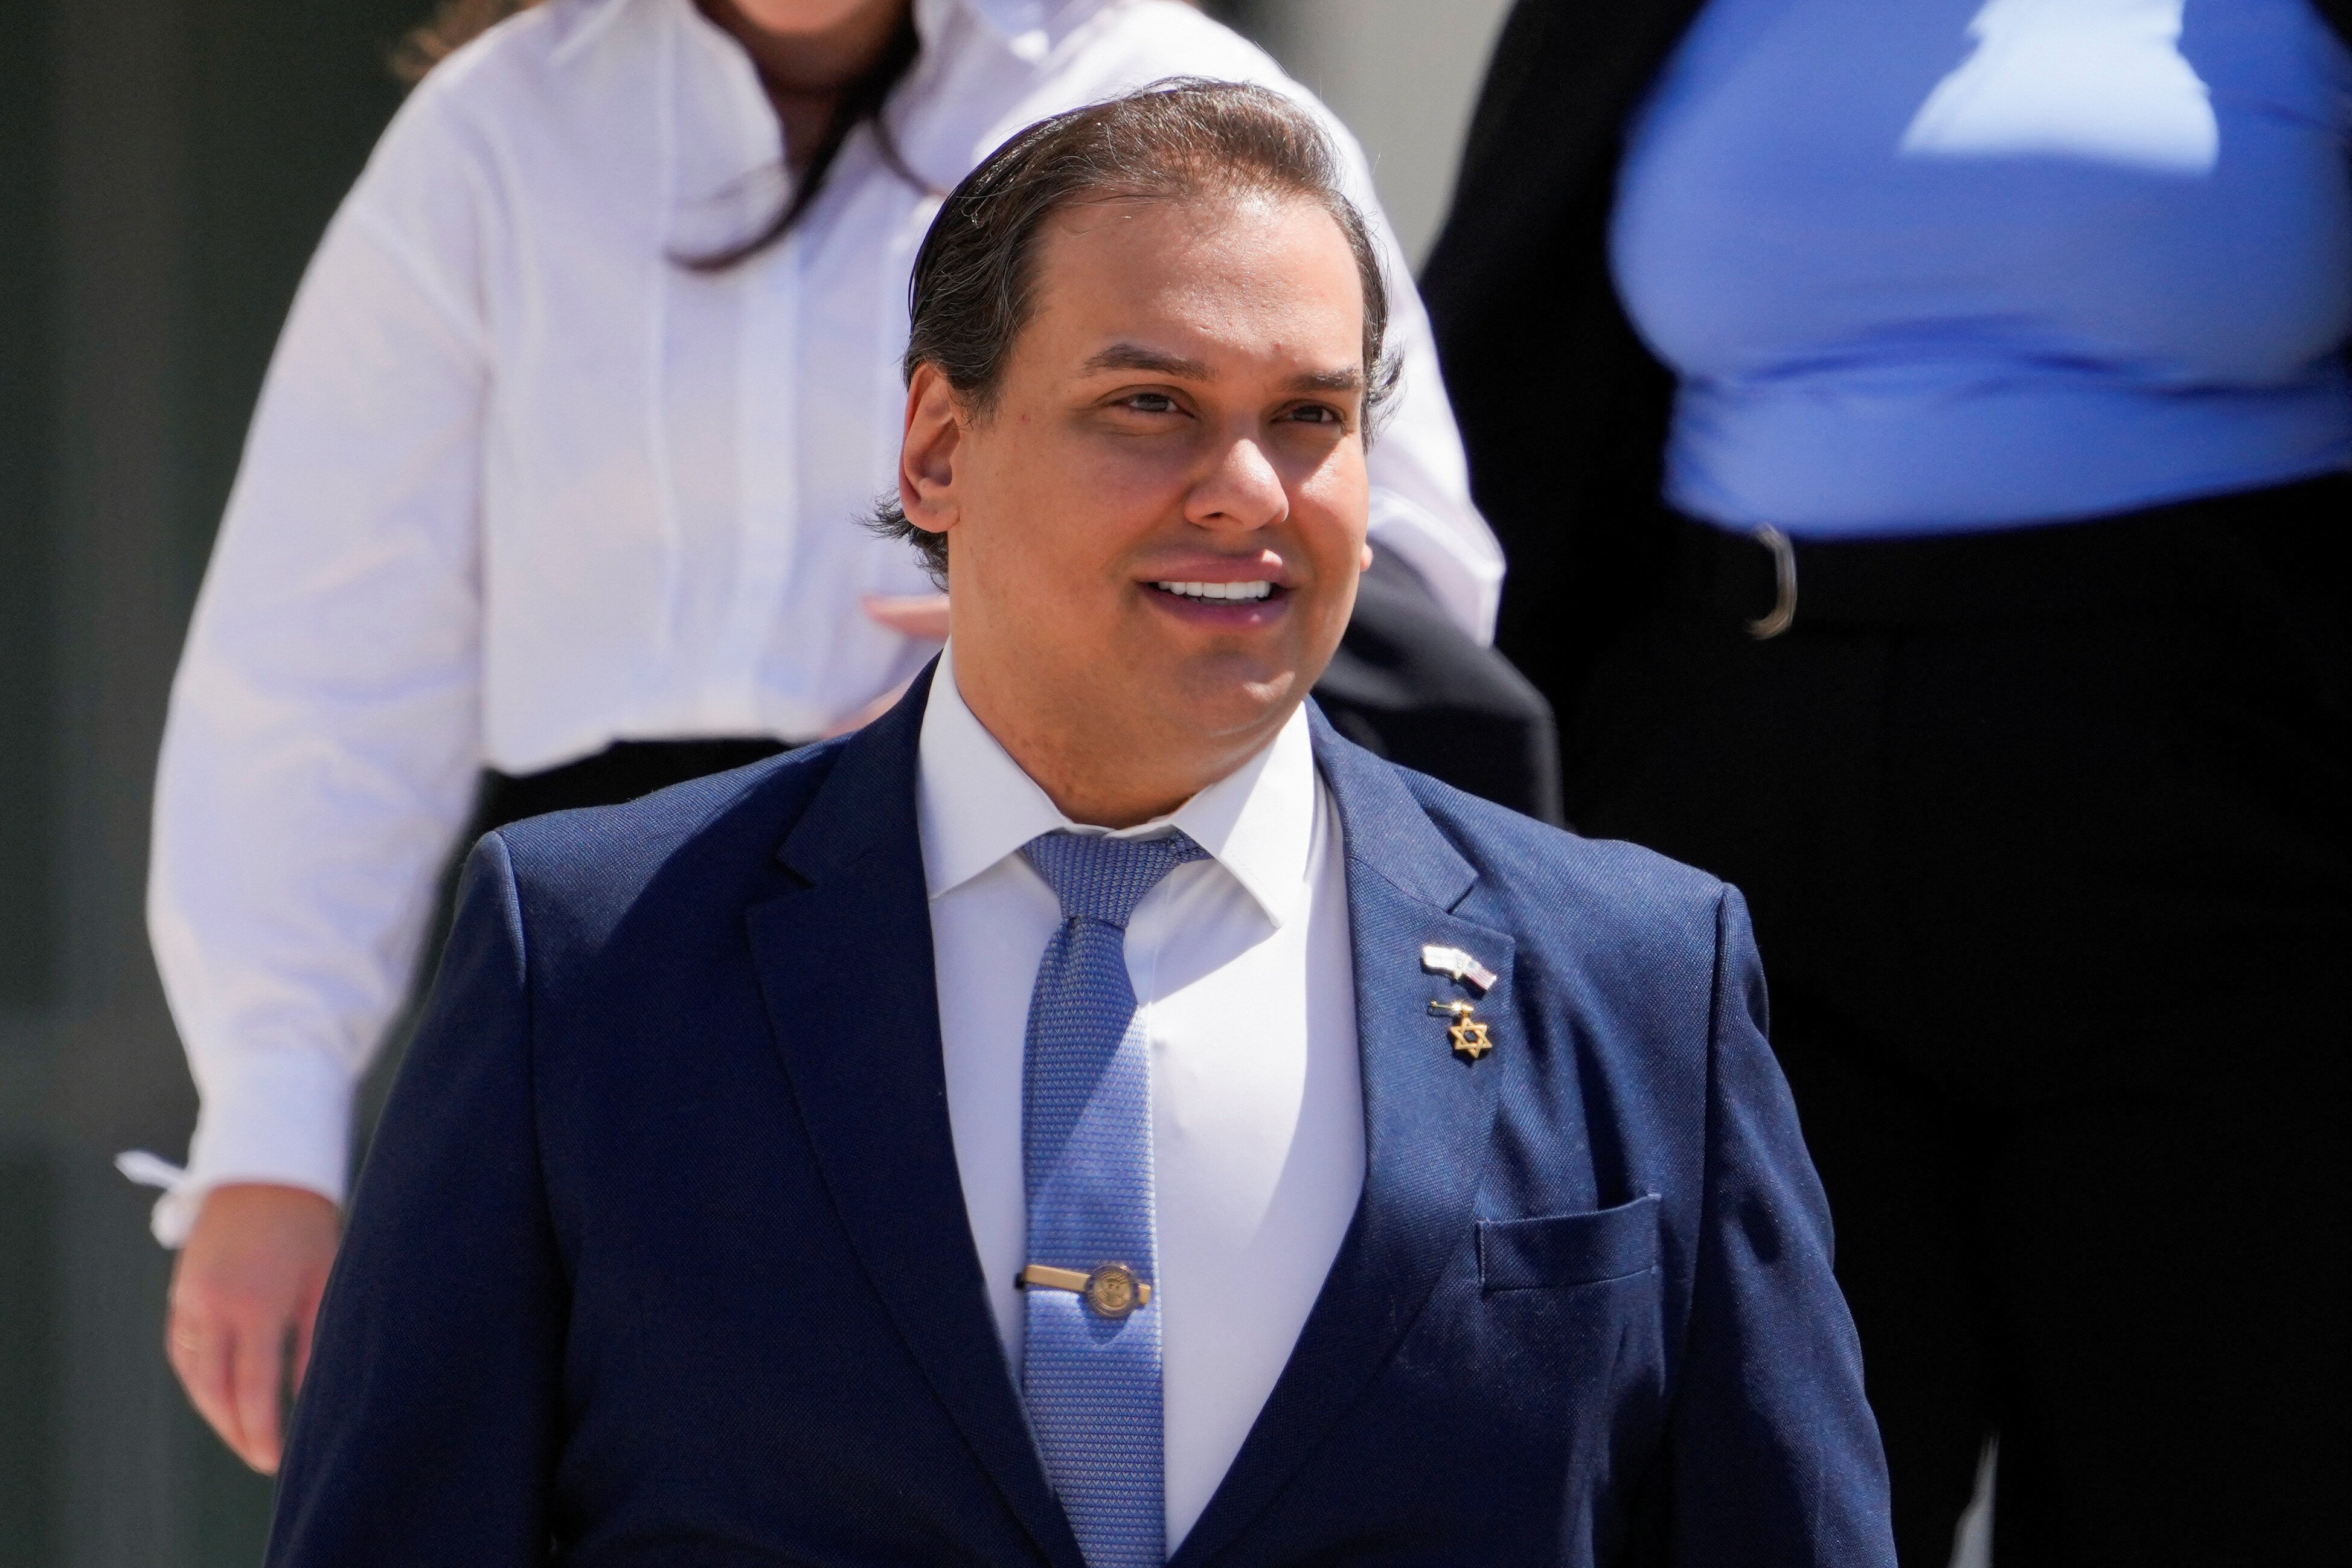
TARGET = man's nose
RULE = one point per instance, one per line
(1241, 491)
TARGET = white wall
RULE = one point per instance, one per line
(1402, 74)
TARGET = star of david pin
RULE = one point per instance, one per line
(1468, 1030)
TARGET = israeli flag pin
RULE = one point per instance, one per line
(1456, 964)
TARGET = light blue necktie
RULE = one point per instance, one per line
(1091, 1377)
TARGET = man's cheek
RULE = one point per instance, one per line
(1134, 465)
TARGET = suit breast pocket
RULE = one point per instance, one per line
(1558, 1249)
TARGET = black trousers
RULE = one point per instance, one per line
(2043, 835)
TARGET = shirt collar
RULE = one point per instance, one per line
(975, 806)
(1024, 28)
(1009, 19)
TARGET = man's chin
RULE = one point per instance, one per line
(1230, 696)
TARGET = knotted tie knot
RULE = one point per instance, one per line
(1100, 878)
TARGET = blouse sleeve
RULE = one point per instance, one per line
(1421, 504)
(323, 734)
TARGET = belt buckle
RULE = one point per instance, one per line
(1783, 612)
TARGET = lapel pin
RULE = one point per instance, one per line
(1457, 966)
(1468, 1032)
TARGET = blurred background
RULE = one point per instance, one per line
(165, 168)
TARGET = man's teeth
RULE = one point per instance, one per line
(1217, 589)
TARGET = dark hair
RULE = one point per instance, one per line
(861, 104)
(975, 283)
(454, 25)
(457, 23)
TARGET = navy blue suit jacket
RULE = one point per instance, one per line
(660, 1256)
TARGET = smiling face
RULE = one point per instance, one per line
(1156, 528)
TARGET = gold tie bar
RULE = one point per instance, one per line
(1112, 1291)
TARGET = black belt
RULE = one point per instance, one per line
(2162, 555)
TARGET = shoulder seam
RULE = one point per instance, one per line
(387, 237)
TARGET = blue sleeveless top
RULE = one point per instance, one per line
(1931, 266)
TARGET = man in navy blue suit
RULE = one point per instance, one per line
(1095, 1115)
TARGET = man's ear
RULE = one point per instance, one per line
(927, 456)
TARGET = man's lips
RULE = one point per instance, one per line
(1232, 602)
(1220, 592)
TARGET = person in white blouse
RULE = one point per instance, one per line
(556, 474)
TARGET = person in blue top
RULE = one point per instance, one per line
(1921, 436)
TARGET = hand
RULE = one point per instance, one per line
(923, 616)
(920, 615)
(245, 1294)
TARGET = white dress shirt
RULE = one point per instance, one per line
(1245, 986)
(520, 485)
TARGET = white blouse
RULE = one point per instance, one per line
(520, 485)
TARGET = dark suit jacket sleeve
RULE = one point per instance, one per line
(1776, 1458)
(426, 1427)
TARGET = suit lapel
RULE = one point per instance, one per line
(844, 966)
(1427, 1114)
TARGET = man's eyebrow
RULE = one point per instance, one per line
(1347, 380)
(1155, 361)
(1176, 367)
